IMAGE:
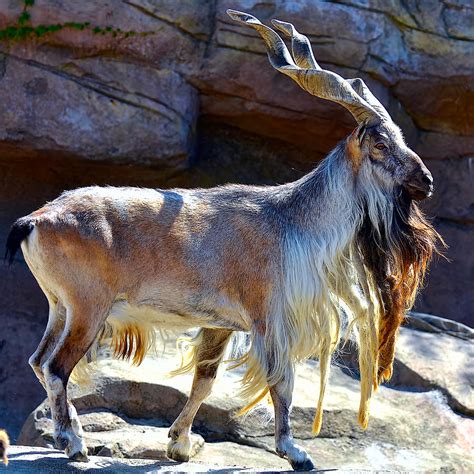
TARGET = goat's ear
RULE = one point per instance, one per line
(360, 132)
(354, 145)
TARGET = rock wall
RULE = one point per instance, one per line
(189, 99)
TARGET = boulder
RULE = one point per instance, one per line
(226, 63)
(432, 353)
(126, 413)
(438, 361)
(98, 109)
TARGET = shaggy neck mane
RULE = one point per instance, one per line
(392, 237)
(354, 247)
(326, 192)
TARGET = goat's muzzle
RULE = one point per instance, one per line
(420, 185)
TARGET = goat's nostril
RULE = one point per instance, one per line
(427, 179)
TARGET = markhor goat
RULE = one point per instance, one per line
(281, 262)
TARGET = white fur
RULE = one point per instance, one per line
(286, 447)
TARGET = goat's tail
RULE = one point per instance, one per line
(4, 445)
(19, 231)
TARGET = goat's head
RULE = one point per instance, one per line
(377, 144)
(380, 150)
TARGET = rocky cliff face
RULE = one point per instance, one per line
(187, 97)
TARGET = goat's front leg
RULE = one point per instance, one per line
(282, 394)
(209, 355)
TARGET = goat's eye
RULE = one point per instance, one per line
(380, 146)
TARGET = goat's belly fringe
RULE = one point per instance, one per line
(290, 340)
(127, 341)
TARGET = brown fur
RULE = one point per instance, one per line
(399, 271)
(129, 344)
(354, 153)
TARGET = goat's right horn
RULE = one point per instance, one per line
(319, 82)
(300, 45)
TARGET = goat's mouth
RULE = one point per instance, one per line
(417, 192)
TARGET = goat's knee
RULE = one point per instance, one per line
(35, 364)
(35, 361)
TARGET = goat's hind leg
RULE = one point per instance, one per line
(209, 355)
(83, 322)
(50, 339)
(52, 333)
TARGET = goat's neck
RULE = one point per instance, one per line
(325, 200)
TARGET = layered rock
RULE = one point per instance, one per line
(137, 99)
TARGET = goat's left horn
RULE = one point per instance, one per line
(319, 82)
(277, 51)
(304, 58)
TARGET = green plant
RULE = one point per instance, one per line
(23, 29)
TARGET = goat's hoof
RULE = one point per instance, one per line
(179, 449)
(300, 466)
(79, 457)
(61, 442)
(75, 448)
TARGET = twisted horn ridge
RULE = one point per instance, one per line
(361, 88)
(304, 58)
(354, 95)
(300, 45)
